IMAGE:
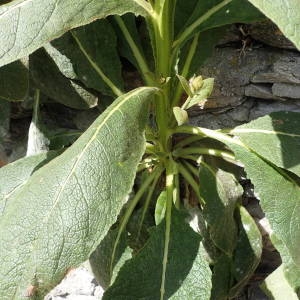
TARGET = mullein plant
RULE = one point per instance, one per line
(125, 193)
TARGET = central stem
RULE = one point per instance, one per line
(163, 32)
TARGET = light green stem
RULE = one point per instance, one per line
(204, 132)
(187, 141)
(192, 169)
(207, 151)
(192, 182)
(36, 104)
(176, 191)
(189, 30)
(162, 23)
(130, 209)
(112, 86)
(169, 189)
(145, 71)
(147, 203)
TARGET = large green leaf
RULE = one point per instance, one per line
(248, 251)
(275, 137)
(222, 278)
(220, 191)
(187, 271)
(14, 175)
(13, 82)
(87, 54)
(285, 14)
(66, 208)
(277, 287)
(104, 269)
(279, 195)
(202, 15)
(48, 78)
(27, 25)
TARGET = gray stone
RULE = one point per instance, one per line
(272, 77)
(286, 90)
(78, 284)
(288, 64)
(269, 34)
(262, 108)
(260, 91)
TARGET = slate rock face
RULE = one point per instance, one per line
(249, 83)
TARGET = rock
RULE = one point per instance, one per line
(260, 91)
(262, 108)
(272, 77)
(268, 33)
(286, 90)
(79, 284)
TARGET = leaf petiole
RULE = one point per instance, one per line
(192, 182)
(198, 150)
(154, 174)
(144, 69)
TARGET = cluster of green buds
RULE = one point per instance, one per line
(197, 90)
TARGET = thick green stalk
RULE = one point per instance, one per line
(162, 24)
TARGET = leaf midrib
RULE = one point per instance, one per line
(252, 130)
(57, 198)
(59, 193)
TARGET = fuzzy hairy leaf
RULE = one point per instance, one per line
(220, 191)
(285, 14)
(86, 52)
(48, 78)
(187, 274)
(198, 16)
(101, 258)
(160, 207)
(26, 25)
(222, 278)
(14, 175)
(275, 137)
(277, 287)
(290, 270)
(13, 82)
(66, 208)
(278, 193)
(248, 251)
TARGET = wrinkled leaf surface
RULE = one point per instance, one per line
(187, 275)
(66, 208)
(27, 25)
